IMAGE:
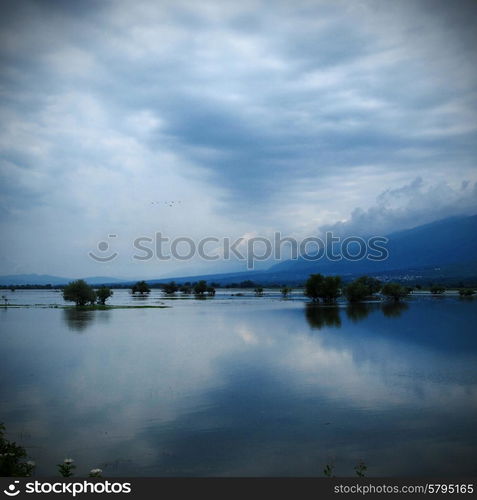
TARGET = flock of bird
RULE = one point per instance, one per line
(168, 203)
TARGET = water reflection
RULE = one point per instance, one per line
(359, 311)
(244, 389)
(79, 320)
(139, 298)
(394, 309)
(319, 316)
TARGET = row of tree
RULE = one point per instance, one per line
(329, 288)
(318, 287)
(200, 288)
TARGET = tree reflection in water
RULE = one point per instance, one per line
(393, 309)
(319, 316)
(78, 319)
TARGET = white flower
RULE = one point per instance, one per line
(68, 461)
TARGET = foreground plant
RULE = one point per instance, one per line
(360, 469)
(12, 458)
(67, 467)
(95, 473)
(328, 470)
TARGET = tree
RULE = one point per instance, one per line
(313, 287)
(373, 284)
(326, 288)
(170, 288)
(362, 288)
(79, 292)
(466, 292)
(259, 291)
(200, 288)
(185, 289)
(437, 289)
(141, 287)
(210, 291)
(285, 291)
(103, 294)
(394, 291)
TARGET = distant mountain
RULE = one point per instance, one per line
(440, 243)
(444, 249)
(45, 279)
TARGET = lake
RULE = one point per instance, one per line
(242, 386)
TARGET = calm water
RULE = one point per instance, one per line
(242, 386)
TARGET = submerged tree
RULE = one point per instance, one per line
(326, 288)
(259, 291)
(79, 292)
(141, 287)
(437, 289)
(394, 291)
(200, 288)
(362, 288)
(103, 293)
(170, 288)
(285, 291)
(466, 292)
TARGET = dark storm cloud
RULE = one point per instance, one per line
(266, 104)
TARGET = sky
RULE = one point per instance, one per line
(227, 119)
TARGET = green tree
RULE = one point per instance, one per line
(141, 287)
(356, 292)
(79, 292)
(210, 291)
(437, 289)
(373, 284)
(170, 288)
(328, 288)
(285, 291)
(466, 292)
(362, 288)
(103, 293)
(185, 289)
(200, 288)
(259, 291)
(394, 291)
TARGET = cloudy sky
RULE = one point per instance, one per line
(251, 116)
